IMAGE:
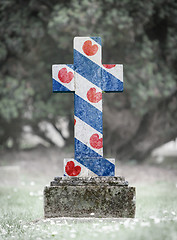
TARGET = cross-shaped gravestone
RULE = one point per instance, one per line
(88, 78)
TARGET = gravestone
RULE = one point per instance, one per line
(89, 186)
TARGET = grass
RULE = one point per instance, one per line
(21, 207)
(21, 216)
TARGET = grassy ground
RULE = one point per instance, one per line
(21, 207)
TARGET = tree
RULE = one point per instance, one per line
(141, 35)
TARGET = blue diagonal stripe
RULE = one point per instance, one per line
(82, 151)
(95, 74)
(71, 66)
(97, 39)
(86, 68)
(93, 161)
(58, 87)
(111, 83)
(88, 113)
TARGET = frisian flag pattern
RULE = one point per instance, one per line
(88, 78)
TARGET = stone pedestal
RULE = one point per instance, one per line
(89, 197)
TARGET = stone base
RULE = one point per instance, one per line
(89, 197)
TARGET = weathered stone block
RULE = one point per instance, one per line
(89, 197)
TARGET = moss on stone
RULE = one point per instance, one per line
(80, 201)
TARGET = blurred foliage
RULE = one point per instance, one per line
(36, 34)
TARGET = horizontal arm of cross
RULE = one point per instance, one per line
(112, 78)
(111, 81)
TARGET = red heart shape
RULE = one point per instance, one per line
(109, 65)
(93, 96)
(89, 49)
(65, 76)
(71, 169)
(96, 142)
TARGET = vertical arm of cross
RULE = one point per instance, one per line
(88, 99)
(88, 107)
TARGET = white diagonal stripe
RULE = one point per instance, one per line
(84, 170)
(83, 132)
(116, 71)
(78, 44)
(56, 68)
(83, 86)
